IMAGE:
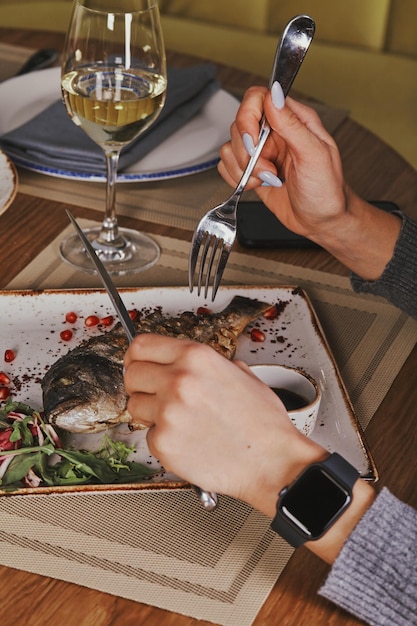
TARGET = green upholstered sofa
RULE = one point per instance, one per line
(363, 58)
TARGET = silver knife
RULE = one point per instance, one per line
(208, 499)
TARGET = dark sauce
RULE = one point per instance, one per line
(291, 400)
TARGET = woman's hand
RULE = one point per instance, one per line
(299, 151)
(212, 422)
(216, 425)
(311, 197)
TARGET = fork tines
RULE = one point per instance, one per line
(211, 251)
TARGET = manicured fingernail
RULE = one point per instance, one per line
(270, 179)
(248, 143)
(277, 95)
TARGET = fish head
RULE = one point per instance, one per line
(85, 394)
(90, 417)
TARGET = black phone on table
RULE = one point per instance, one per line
(257, 227)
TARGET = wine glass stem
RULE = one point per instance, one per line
(109, 234)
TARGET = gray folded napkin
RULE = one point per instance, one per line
(51, 139)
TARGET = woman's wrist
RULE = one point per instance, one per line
(351, 237)
(265, 492)
(278, 472)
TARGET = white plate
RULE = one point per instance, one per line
(8, 182)
(191, 149)
(32, 321)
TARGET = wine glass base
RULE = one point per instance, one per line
(137, 253)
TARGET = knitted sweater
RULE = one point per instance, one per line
(398, 282)
(375, 574)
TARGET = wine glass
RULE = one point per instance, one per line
(113, 85)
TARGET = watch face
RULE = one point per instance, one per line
(314, 501)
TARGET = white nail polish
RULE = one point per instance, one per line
(277, 95)
(248, 143)
(270, 179)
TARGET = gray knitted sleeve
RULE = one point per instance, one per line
(375, 574)
(398, 283)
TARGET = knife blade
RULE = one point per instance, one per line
(117, 302)
(208, 499)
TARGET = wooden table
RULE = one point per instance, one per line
(376, 172)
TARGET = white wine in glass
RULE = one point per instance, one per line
(113, 85)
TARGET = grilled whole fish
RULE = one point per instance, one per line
(83, 391)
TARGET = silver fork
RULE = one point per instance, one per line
(217, 228)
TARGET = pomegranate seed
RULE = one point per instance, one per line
(71, 317)
(257, 335)
(133, 314)
(9, 356)
(4, 393)
(92, 320)
(203, 310)
(66, 335)
(107, 321)
(272, 313)
(4, 379)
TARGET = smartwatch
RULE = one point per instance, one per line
(309, 506)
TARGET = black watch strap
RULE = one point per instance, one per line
(341, 471)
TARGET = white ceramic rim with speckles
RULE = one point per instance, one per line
(299, 382)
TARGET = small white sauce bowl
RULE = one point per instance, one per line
(297, 382)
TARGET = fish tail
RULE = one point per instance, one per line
(241, 311)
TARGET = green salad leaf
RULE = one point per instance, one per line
(27, 444)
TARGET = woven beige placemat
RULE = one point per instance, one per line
(163, 549)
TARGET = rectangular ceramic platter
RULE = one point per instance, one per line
(32, 322)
